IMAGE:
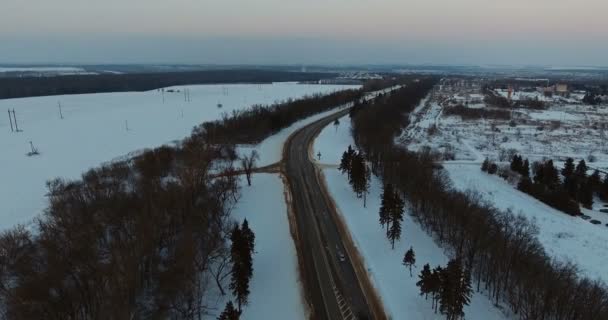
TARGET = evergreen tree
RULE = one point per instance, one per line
(604, 189)
(386, 206)
(409, 259)
(585, 194)
(525, 184)
(525, 169)
(229, 313)
(242, 263)
(538, 168)
(550, 175)
(581, 170)
(360, 176)
(396, 217)
(485, 165)
(493, 168)
(516, 163)
(425, 281)
(455, 290)
(346, 161)
(249, 247)
(595, 180)
(435, 286)
(568, 168)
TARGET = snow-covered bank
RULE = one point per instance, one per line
(100, 127)
(397, 289)
(276, 292)
(332, 141)
(564, 237)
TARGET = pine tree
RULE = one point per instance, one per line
(242, 263)
(386, 205)
(424, 282)
(581, 170)
(568, 168)
(455, 290)
(550, 175)
(525, 169)
(435, 286)
(595, 180)
(525, 184)
(229, 313)
(249, 247)
(539, 170)
(360, 176)
(345, 163)
(396, 217)
(409, 259)
(485, 165)
(604, 189)
(585, 194)
(516, 163)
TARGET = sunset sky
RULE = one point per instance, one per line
(549, 32)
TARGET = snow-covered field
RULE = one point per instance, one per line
(397, 289)
(102, 127)
(276, 292)
(564, 237)
(563, 130)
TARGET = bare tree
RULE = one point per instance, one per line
(248, 164)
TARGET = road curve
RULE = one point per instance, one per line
(334, 289)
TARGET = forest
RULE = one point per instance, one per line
(79, 84)
(498, 249)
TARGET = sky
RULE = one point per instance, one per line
(474, 32)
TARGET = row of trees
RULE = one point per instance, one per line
(254, 124)
(500, 249)
(478, 113)
(564, 193)
(450, 288)
(18, 87)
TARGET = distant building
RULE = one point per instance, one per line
(557, 89)
(561, 89)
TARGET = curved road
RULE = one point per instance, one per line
(334, 288)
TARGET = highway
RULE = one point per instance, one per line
(335, 280)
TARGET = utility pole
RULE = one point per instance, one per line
(60, 113)
(127, 125)
(10, 118)
(15, 118)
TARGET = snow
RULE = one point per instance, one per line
(564, 237)
(42, 69)
(276, 292)
(94, 130)
(333, 141)
(397, 289)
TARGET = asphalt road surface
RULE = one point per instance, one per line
(331, 282)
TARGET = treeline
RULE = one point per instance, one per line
(254, 124)
(477, 113)
(142, 238)
(79, 84)
(500, 249)
(565, 193)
